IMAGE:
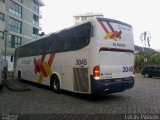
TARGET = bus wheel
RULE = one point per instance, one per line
(19, 76)
(55, 84)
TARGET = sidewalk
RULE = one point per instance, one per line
(14, 85)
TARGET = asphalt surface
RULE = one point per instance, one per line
(15, 85)
(40, 102)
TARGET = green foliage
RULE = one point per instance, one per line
(152, 59)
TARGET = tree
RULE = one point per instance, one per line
(145, 38)
(139, 62)
(153, 59)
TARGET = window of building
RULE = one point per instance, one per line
(14, 41)
(15, 25)
(76, 18)
(1, 35)
(36, 20)
(15, 9)
(36, 7)
(1, 16)
(84, 18)
(35, 31)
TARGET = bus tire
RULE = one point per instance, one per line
(55, 84)
(19, 76)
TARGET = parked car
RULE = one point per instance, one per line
(1, 85)
(151, 71)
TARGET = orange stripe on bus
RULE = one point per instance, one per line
(51, 59)
(40, 77)
(40, 64)
(47, 68)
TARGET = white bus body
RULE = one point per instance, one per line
(94, 57)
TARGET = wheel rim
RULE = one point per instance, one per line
(56, 84)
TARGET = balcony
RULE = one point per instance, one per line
(2, 6)
(35, 23)
(35, 36)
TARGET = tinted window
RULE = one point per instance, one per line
(153, 68)
(68, 40)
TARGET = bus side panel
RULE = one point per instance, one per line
(69, 62)
(63, 64)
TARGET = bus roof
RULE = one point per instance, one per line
(98, 18)
(114, 21)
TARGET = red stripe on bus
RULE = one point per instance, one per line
(119, 34)
(43, 57)
(51, 58)
(110, 26)
(35, 63)
(103, 26)
(36, 66)
(114, 34)
(36, 69)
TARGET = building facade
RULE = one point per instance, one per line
(19, 23)
(82, 17)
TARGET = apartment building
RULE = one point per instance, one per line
(82, 17)
(19, 23)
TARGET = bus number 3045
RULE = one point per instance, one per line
(127, 69)
(81, 61)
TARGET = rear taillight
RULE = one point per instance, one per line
(96, 72)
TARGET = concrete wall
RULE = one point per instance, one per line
(1, 25)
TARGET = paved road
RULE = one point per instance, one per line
(144, 98)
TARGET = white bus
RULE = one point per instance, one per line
(96, 56)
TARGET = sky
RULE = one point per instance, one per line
(141, 14)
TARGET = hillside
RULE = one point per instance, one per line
(148, 50)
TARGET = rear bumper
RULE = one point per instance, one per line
(100, 86)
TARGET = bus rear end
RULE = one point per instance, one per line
(112, 52)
